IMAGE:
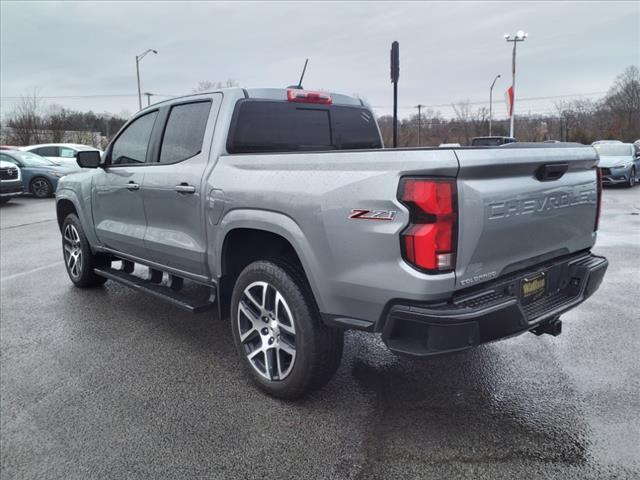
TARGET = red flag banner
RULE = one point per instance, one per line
(508, 98)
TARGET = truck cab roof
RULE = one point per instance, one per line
(268, 94)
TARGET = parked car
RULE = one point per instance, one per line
(60, 153)
(284, 206)
(491, 141)
(39, 175)
(619, 163)
(8, 147)
(449, 145)
(10, 181)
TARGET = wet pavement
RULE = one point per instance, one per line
(108, 383)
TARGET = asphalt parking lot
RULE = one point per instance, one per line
(107, 383)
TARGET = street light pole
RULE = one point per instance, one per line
(419, 107)
(518, 37)
(149, 95)
(138, 59)
(491, 102)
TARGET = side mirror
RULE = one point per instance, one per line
(88, 159)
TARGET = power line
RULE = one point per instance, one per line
(448, 105)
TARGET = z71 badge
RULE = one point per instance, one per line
(364, 214)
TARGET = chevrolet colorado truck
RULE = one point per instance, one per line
(282, 209)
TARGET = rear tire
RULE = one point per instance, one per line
(283, 344)
(40, 187)
(79, 260)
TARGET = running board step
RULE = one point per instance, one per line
(160, 291)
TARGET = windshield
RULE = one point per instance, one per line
(32, 160)
(614, 150)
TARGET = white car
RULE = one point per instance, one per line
(59, 153)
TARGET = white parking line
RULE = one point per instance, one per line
(28, 272)
(27, 224)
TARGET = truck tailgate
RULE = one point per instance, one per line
(515, 213)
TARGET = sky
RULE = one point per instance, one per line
(81, 55)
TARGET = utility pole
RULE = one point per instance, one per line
(491, 102)
(520, 36)
(395, 74)
(419, 107)
(138, 59)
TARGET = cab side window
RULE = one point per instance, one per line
(184, 133)
(132, 145)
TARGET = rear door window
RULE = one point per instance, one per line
(184, 133)
(47, 151)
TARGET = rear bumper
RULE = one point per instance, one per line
(495, 311)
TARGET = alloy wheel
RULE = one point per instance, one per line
(72, 251)
(267, 331)
(40, 188)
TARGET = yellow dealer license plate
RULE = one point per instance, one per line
(534, 287)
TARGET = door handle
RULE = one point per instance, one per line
(133, 186)
(185, 188)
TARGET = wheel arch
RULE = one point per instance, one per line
(250, 235)
(67, 202)
(64, 207)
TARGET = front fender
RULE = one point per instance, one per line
(278, 224)
(82, 204)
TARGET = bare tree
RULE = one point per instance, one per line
(464, 115)
(208, 85)
(25, 121)
(623, 103)
(57, 123)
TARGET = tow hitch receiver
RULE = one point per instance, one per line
(553, 327)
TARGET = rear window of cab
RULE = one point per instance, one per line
(261, 126)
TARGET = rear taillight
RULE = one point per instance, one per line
(429, 242)
(305, 96)
(598, 198)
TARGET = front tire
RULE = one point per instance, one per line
(283, 344)
(41, 188)
(79, 260)
(632, 178)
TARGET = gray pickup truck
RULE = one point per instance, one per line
(282, 209)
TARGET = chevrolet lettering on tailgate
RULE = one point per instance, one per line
(543, 203)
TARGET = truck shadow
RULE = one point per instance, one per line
(494, 404)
